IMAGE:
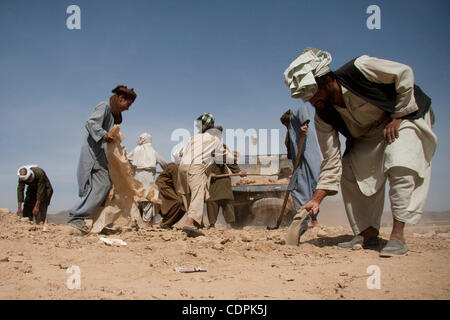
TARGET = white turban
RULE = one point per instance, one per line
(143, 156)
(144, 138)
(29, 173)
(301, 73)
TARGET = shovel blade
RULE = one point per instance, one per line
(292, 236)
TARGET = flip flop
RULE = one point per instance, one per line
(192, 232)
(394, 248)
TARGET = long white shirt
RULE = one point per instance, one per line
(202, 148)
(370, 157)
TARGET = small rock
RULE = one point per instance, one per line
(424, 235)
(183, 293)
(225, 240)
(218, 247)
(4, 259)
(27, 269)
(322, 233)
(247, 228)
(166, 237)
(192, 253)
(246, 238)
(443, 235)
(341, 285)
(343, 274)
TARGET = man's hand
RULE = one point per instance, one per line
(107, 137)
(36, 209)
(19, 210)
(213, 175)
(391, 130)
(243, 173)
(304, 130)
(312, 206)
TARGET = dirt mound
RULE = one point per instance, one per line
(249, 263)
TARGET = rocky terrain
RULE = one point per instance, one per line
(250, 263)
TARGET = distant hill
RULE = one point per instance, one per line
(58, 218)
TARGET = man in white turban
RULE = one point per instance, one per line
(144, 159)
(387, 122)
(38, 195)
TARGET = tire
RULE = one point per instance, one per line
(266, 211)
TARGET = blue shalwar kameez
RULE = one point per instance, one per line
(304, 179)
(94, 183)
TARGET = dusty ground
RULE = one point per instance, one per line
(252, 263)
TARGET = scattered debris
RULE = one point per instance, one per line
(189, 270)
(218, 247)
(111, 242)
(430, 234)
(246, 237)
(225, 240)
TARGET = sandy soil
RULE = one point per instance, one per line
(251, 263)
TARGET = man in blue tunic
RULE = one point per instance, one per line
(94, 183)
(304, 179)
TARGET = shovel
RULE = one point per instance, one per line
(286, 196)
(293, 234)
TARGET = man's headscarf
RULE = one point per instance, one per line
(144, 138)
(143, 156)
(206, 120)
(29, 173)
(301, 73)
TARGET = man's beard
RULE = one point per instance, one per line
(329, 100)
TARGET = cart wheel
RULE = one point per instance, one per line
(265, 211)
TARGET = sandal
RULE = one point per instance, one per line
(192, 231)
(394, 248)
(356, 243)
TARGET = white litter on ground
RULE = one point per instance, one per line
(113, 242)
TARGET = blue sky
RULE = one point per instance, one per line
(188, 57)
